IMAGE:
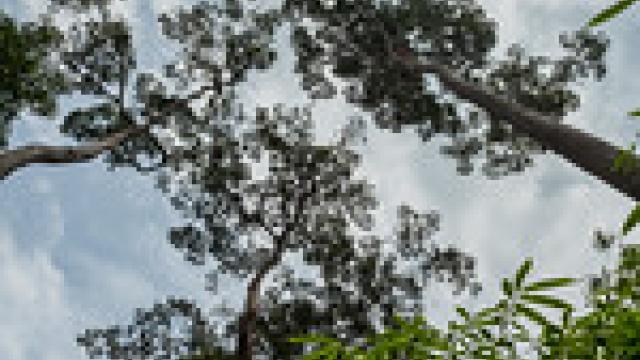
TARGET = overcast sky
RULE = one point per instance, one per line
(82, 247)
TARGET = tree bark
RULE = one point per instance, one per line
(11, 160)
(247, 322)
(582, 149)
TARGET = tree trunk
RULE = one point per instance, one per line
(247, 322)
(582, 149)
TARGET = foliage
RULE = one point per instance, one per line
(310, 199)
(611, 12)
(609, 331)
(25, 79)
(455, 33)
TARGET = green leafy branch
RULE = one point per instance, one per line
(610, 331)
(474, 337)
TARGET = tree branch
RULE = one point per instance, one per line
(11, 160)
(582, 149)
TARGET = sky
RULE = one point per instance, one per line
(82, 247)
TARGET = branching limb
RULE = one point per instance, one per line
(11, 160)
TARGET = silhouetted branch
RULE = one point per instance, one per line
(11, 160)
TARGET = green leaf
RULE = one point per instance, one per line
(522, 335)
(548, 284)
(547, 301)
(313, 338)
(634, 113)
(494, 320)
(507, 287)
(462, 312)
(533, 314)
(610, 12)
(491, 311)
(356, 354)
(625, 160)
(522, 272)
(632, 220)
(566, 315)
(420, 320)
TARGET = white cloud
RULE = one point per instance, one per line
(38, 320)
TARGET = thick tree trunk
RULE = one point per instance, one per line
(582, 149)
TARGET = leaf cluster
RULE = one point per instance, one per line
(609, 331)
(25, 79)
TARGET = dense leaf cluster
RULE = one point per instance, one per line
(26, 80)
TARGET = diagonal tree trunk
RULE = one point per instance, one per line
(582, 149)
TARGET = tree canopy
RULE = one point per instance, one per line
(308, 198)
(26, 80)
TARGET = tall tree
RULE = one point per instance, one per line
(606, 332)
(309, 200)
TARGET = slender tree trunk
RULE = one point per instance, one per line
(247, 322)
(582, 149)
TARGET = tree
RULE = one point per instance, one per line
(307, 201)
(608, 332)
(88, 66)
(534, 115)
(207, 173)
